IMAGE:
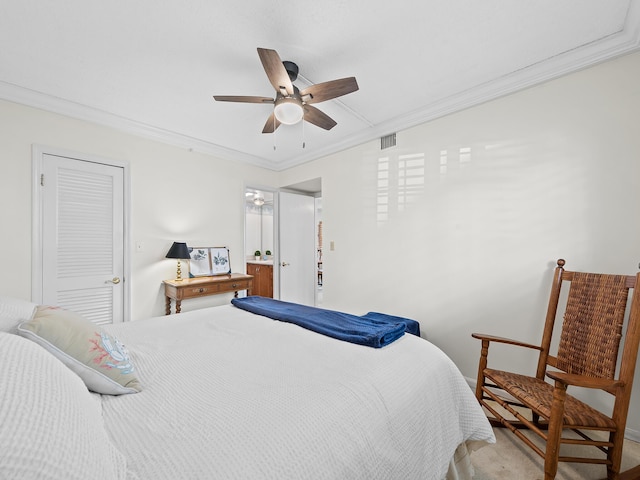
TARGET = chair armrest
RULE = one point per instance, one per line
(584, 381)
(508, 341)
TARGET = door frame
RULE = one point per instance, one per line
(276, 253)
(276, 222)
(37, 159)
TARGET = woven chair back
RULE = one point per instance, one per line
(592, 326)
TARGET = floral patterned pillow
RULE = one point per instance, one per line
(98, 358)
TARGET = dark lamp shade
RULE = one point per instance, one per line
(179, 250)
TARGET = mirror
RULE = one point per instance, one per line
(258, 223)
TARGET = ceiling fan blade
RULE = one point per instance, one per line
(328, 90)
(235, 98)
(318, 118)
(275, 70)
(271, 124)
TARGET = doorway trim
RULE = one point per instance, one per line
(37, 158)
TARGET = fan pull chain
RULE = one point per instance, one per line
(274, 132)
(303, 142)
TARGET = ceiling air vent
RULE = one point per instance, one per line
(388, 141)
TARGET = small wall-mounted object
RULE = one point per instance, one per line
(388, 141)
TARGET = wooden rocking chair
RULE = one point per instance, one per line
(586, 356)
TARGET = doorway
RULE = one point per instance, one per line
(264, 233)
(259, 208)
(313, 274)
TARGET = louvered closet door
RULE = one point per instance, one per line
(83, 238)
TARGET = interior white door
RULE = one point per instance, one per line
(83, 237)
(297, 248)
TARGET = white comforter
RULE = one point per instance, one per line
(232, 395)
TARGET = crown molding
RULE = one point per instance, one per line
(626, 41)
(32, 98)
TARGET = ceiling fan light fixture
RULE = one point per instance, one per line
(288, 111)
(290, 105)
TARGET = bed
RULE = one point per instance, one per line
(228, 394)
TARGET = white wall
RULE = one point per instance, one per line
(550, 172)
(553, 171)
(176, 195)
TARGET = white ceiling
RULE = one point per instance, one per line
(151, 67)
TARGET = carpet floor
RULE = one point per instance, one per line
(510, 459)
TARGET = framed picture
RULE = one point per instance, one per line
(220, 264)
(207, 261)
(199, 265)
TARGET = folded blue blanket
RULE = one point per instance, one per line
(373, 329)
(412, 326)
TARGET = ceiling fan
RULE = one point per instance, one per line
(291, 104)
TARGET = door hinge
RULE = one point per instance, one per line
(42, 179)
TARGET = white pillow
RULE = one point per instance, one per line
(50, 426)
(98, 358)
(14, 311)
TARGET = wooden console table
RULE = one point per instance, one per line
(203, 286)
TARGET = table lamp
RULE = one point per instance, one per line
(179, 251)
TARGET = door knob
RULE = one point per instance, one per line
(284, 264)
(114, 280)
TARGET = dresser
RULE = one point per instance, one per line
(204, 286)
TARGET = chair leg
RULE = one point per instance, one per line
(614, 454)
(535, 417)
(555, 432)
(482, 365)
